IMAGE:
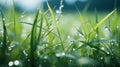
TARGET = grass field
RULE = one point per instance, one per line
(47, 39)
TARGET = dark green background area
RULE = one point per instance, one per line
(103, 5)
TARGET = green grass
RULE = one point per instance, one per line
(79, 39)
(4, 47)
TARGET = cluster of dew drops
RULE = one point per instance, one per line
(59, 11)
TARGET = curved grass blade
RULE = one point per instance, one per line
(4, 47)
(47, 27)
(82, 24)
(33, 41)
(40, 31)
(29, 24)
(83, 27)
(86, 7)
(55, 23)
(96, 18)
(100, 23)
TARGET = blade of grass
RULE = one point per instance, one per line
(55, 23)
(96, 18)
(26, 38)
(29, 24)
(40, 31)
(115, 21)
(83, 26)
(100, 23)
(80, 32)
(92, 46)
(33, 41)
(86, 7)
(47, 27)
(4, 47)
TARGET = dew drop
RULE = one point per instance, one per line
(10, 63)
(45, 57)
(112, 43)
(73, 49)
(16, 62)
(102, 48)
(3, 19)
(9, 48)
(22, 16)
(62, 6)
(108, 52)
(70, 61)
(106, 28)
(118, 27)
(24, 52)
(46, 45)
(101, 58)
(12, 45)
(96, 35)
(60, 54)
(7, 24)
(59, 44)
(58, 11)
(68, 37)
(80, 35)
(1, 43)
(28, 60)
(79, 45)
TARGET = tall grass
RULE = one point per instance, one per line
(33, 41)
(45, 45)
(4, 47)
(55, 23)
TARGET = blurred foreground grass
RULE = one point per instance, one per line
(73, 40)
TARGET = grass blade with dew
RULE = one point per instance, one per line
(55, 23)
(84, 27)
(47, 27)
(82, 24)
(33, 41)
(100, 23)
(4, 47)
(96, 19)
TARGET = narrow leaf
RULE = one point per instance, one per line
(101, 22)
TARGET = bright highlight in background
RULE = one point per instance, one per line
(71, 2)
(29, 4)
(32, 5)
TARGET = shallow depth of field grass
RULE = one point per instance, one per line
(47, 39)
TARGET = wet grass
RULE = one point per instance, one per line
(79, 40)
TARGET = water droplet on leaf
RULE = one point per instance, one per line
(16, 62)
(60, 54)
(10, 63)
